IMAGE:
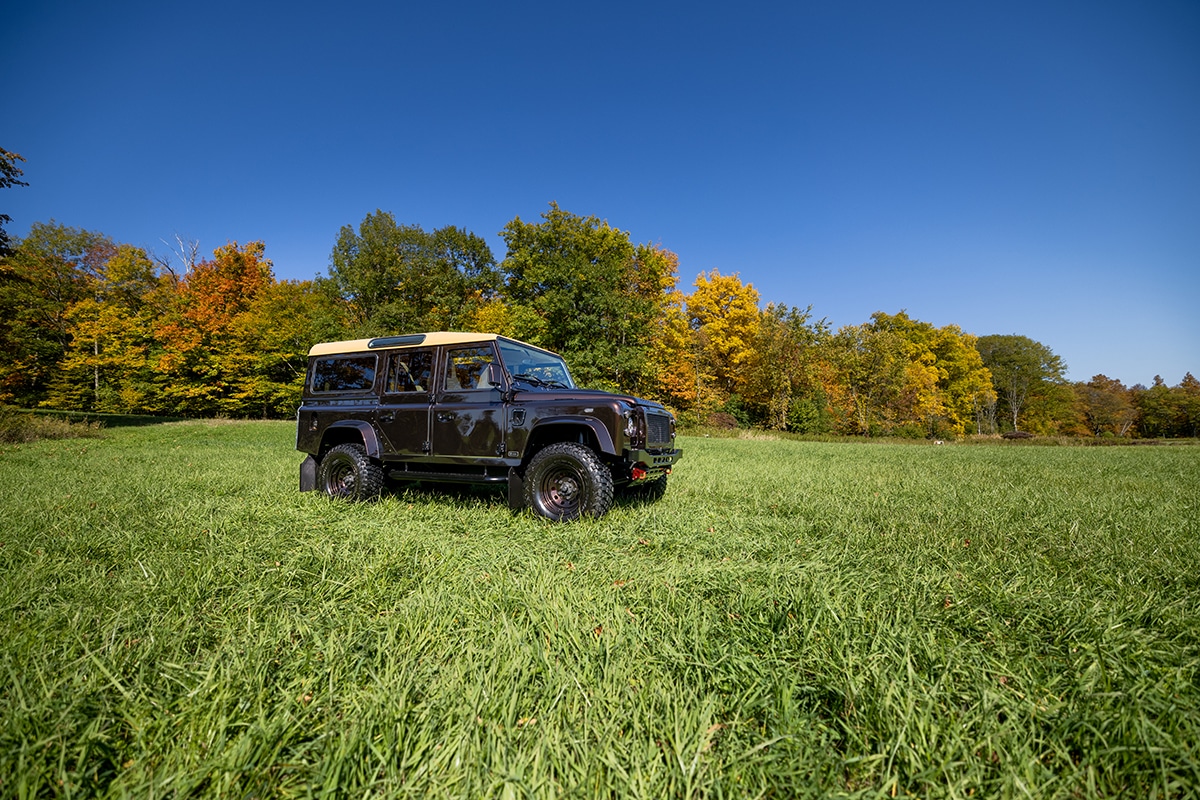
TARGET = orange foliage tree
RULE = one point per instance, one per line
(204, 372)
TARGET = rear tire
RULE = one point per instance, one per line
(348, 473)
(566, 481)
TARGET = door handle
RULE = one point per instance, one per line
(388, 417)
(445, 416)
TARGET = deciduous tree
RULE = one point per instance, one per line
(723, 312)
(400, 278)
(672, 360)
(784, 390)
(869, 369)
(1159, 415)
(267, 354)
(10, 175)
(1021, 369)
(107, 365)
(945, 381)
(597, 295)
(199, 361)
(1106, 406)
(48, 271)
(1189, 403)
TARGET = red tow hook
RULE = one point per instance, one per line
(638, 472)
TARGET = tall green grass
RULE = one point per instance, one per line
(793, 619)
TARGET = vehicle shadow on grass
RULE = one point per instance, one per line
(423, 491)
(491, 495)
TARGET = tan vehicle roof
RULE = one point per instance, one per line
(406, 340)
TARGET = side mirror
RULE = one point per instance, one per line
(495, 376)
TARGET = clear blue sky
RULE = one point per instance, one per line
(1019, 167)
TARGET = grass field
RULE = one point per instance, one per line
(792, 620)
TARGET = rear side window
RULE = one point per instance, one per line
(343, 374)
(408, 372)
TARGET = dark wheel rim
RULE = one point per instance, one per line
(561, 489)
(341, 478)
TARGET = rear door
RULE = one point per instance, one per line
(404, 404)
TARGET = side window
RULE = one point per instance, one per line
(466, 368)
(409, 371)
(343, 374)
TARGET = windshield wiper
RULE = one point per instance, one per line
(536, 381)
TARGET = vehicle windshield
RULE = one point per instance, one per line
(534, 367)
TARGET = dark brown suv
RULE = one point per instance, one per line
(475, 408)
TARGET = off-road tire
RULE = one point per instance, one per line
(348, 473)
(566, 481)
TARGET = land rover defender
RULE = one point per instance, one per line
(475, 408)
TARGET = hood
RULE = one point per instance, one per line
(585, 395)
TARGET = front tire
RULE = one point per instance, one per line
(348, 473)
(566, 481)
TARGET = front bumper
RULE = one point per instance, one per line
(652, 463)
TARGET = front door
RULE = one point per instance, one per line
(468, 410)
(404, 409)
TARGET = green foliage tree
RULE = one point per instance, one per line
(582, 288)
(10, 175)
(671, 363)
(395, 278)
(1159, 413)
(868, 367)
(267, 354)
(784, 390)
(1189, 403)
(48, 271)
(1024, 370)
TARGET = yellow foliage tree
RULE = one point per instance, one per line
(723, 312)
(107, 366)
(672, 362)
(945, 383)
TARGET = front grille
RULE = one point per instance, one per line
(658, 430)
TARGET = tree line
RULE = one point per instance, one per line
(90, 324)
